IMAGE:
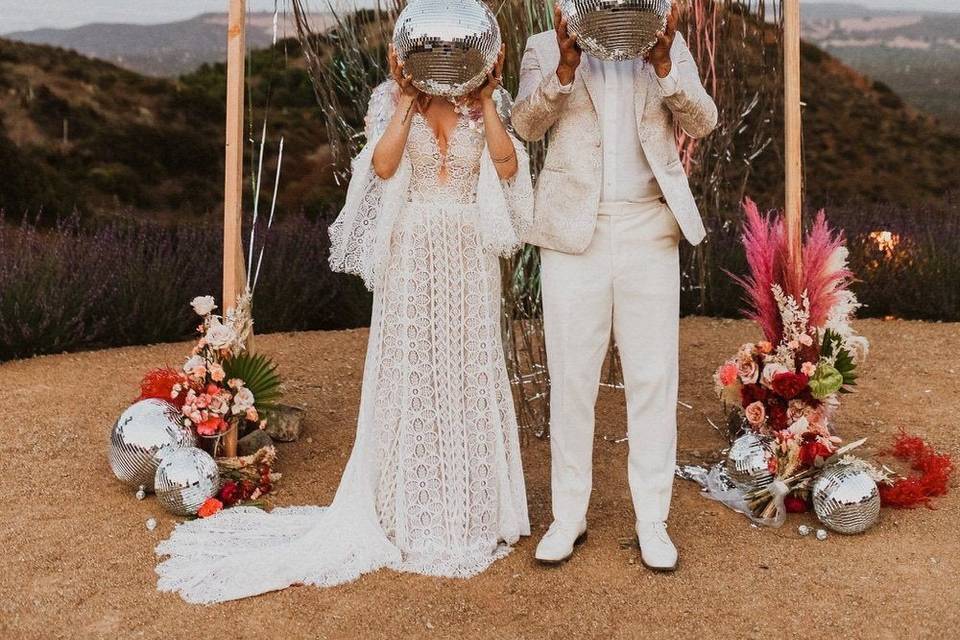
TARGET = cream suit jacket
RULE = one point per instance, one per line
(568, 187)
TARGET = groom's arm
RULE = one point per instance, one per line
(540, 100)
(683, 93)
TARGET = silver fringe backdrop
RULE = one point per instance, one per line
(738, 51)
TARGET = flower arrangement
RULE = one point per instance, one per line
(788, 385)
(221, 384)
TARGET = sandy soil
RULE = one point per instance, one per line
(78, 561)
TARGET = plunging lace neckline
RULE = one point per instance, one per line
(442, 151)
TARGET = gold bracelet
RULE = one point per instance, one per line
(506, 158)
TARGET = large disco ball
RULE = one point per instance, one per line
(749, 460)
(139, 439)
(185, 479)
(447, 46)
(846, 499)
(616, 29)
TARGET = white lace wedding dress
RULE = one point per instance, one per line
(434, 484)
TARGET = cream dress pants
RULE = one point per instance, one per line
(628, 279)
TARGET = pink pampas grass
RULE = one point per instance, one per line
(825, 273)
(763, 242)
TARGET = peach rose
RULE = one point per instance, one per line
(217, 372)
(755, 413)
(748, 370)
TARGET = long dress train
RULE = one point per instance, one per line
(434, 484)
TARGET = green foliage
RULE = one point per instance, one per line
(259, 373)
(832, 347)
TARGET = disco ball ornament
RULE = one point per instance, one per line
(749, 460)
(846, 499)
(447, 46)
(616, 29)
(142, 435)
(186, 478)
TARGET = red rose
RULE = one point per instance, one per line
(795, 504)
(777, 414)
(751, 393)
(810, 451)
(789, 385)
(230, 493)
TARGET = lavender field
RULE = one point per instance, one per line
(74, 287)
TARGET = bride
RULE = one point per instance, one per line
(434, 484)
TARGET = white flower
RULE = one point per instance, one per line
(219, 335)
(203, 305)
(242, 400)
(192, 363)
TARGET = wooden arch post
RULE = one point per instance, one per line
(234, 273)
(793, 148)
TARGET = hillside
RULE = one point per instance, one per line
(77, 132)
(168, 49)
(916, 53)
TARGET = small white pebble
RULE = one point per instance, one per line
(821, 534)
(151, 524)
(803, 530)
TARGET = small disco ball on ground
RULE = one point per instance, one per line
(846, 499)
(143, 434)
(447, 46)
(748, 462)
(185, 479)
(616, 29)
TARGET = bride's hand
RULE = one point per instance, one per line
(494, 77)
(404, 81)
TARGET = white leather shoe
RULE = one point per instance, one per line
(656, 549)
(557, 544)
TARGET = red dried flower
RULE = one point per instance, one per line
(931, 480)
(777, 414)
(789, 385)
(159, 384)
(230, 493)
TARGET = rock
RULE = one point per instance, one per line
(253, 442)
(284, 422)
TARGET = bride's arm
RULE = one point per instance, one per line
(389, 150)
(499, 143)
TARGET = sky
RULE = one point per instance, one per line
(18, 15)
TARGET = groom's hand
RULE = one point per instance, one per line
(569, 49)
(659, 55)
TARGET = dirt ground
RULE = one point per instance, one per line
(78, 560)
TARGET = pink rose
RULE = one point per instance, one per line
(755, 413)
(806, 340)
(793, 345)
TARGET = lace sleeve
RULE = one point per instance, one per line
(506, 206)
(360, 236)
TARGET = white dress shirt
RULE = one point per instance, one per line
(627, 176)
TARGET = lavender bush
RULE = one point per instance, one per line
(69, 287)
(905, 260)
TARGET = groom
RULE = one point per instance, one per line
(612, 202)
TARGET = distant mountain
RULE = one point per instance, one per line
(916, 53)
(168, 49)
(76, 132)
